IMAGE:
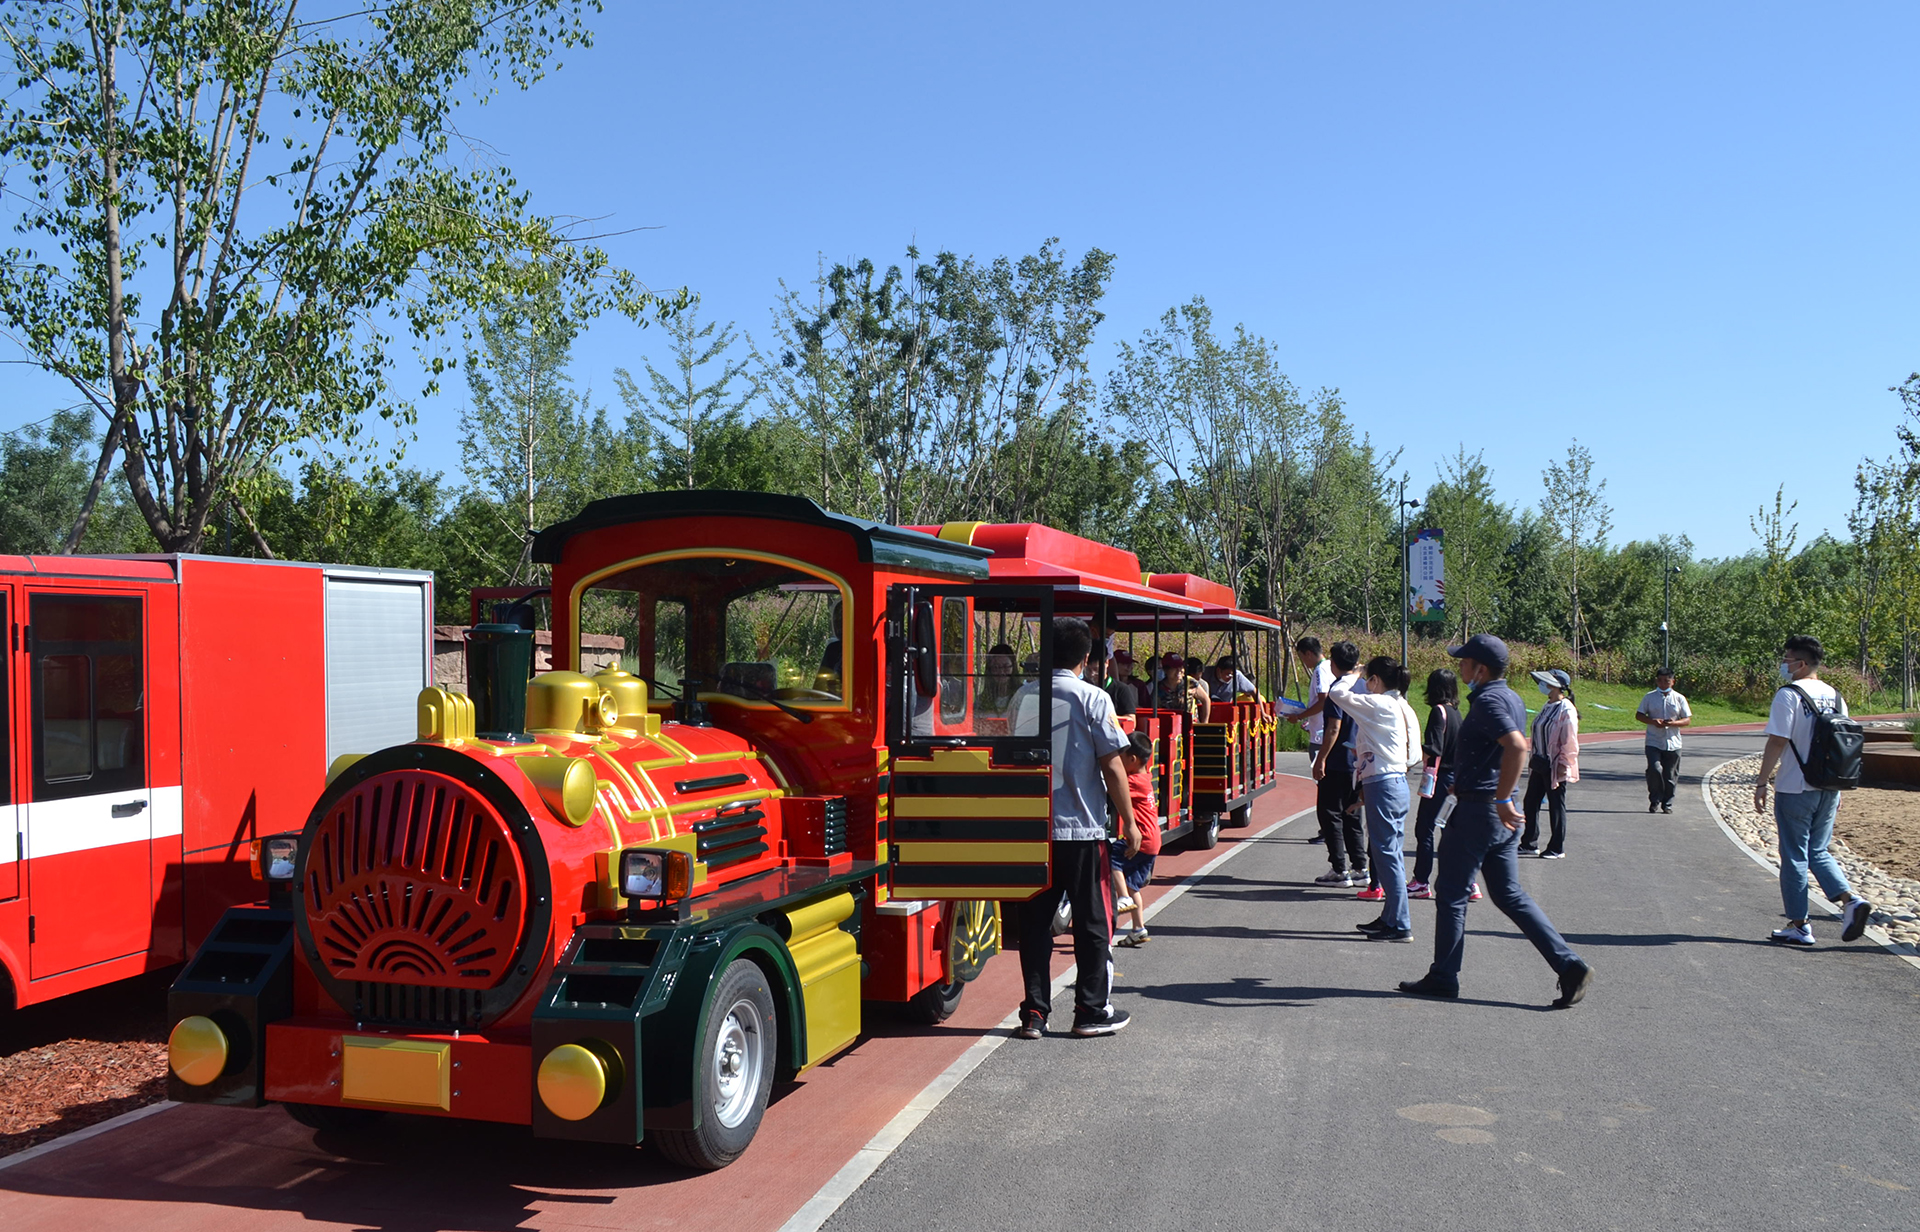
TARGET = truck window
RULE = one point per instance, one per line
(88, 693)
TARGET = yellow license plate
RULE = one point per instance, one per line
(409, 1073)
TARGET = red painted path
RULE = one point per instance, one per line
(255, 1170)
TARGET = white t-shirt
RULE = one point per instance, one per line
(1791, 718)
(1669, 705)
(1318, 682)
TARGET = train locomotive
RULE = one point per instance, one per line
(618, 907)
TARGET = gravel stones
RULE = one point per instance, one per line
(1896, 900)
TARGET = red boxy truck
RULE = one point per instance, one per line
(162, 712)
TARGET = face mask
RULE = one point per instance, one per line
(1666, 688)
(1544, 690)
(1786, 672)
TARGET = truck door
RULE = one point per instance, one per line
(970, 737)
(11, 844)
(88, 821)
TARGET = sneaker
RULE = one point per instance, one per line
(1651, 806)
(1134, 938)
(1031, 1025)
(1372, 894)
(1574, 982)
(1793, 934)
(1391, 934)
(1528, 849)
(1112, 1024)
(1553, 855)
(1419, 889)
(1854, 917)
(1373, 926)
(1314, 838)
(1122, 905)
(1666, 808)
(1473, 893)
(1334, 876)
(1426, 987)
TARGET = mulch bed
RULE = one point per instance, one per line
(82, 1059)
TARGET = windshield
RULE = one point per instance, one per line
(732, 625)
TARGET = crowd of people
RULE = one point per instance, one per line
(1471, 825)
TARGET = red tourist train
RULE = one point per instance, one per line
(158, 714)
(617, 907)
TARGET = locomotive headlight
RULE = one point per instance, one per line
(652, 873)
(273, 857)
(197, 1050)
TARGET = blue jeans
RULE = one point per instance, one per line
(1386, 803)
(1476, 840)
(1805, 822)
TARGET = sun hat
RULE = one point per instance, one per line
(1554, 678)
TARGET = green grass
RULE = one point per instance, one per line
(1624, 699)
(1621, 701)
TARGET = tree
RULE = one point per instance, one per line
(1193, 400)
(1780, 596)
(45, 469)
(691, 402)
(229, 210)
(1575, 507)
(1477, 531)
(532, 445)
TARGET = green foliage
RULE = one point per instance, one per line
(228, 213)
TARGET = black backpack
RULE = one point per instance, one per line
(1833, 755)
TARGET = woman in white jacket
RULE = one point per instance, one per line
(1387, 743)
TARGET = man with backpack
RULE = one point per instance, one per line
(1816, 749)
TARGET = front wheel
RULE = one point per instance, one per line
(1206, 832)
(733, 1072)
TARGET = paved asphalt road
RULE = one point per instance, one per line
(1274, 1078)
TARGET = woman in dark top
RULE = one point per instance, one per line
(1436, 747)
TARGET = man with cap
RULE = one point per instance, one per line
(1482, 835)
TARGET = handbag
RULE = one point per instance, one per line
(1063, 917)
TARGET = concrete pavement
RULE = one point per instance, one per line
(1274, 1078)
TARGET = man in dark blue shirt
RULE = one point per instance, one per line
(1483, 833)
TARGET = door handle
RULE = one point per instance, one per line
(129, 809)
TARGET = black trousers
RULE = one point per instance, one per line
(1539, 778)
(1341, 824)
(1423, 826)
(1663, 771)
(1080, 873)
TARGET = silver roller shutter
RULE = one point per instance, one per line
(376, 662)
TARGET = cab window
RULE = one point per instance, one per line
(729, 625)
(88, 694)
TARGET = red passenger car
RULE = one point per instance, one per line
(160, 713)
(617, 907)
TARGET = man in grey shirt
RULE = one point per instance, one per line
(1087, 775)
(1665, 712)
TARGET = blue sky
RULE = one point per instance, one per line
(1681, 233)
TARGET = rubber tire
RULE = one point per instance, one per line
(713, 1146)
(1206, 835)
(1241, 817)
(935, 1003)
(333, 1119)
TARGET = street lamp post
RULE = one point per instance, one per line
(1666, 621)
(1405, 568)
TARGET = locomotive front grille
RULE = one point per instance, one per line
(416, 1007)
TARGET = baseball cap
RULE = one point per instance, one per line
(1485, 648)
(1123, 656)
(1173, 658)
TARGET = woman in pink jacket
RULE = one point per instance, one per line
(1555, 763)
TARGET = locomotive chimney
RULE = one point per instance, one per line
(499, 664)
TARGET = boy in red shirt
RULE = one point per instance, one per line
(1132, 854)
